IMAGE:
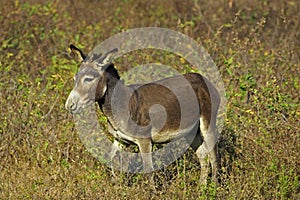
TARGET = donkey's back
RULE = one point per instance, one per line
(172, 106)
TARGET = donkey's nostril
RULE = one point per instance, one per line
(73, 106)
(71, 103)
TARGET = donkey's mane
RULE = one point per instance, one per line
(111, 70)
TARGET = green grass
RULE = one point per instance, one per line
(255, 45)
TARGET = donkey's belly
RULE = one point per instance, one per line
(168, 135)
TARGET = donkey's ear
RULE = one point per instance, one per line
(80, 56)
(107, 58)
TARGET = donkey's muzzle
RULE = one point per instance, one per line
(71, 103)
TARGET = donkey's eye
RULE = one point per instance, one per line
(87, 80)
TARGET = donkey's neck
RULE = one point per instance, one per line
(115, 103)
(114, 97)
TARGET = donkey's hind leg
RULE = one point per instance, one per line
(202, 158)
(207, 152)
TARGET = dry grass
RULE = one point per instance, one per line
(255, 45)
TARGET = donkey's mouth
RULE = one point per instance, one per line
(78, 109)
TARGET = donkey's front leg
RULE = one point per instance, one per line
(115, 147)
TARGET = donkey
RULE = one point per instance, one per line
(151, 113)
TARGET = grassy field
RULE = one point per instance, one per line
(255, 45)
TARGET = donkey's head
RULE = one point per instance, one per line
(91, 80)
